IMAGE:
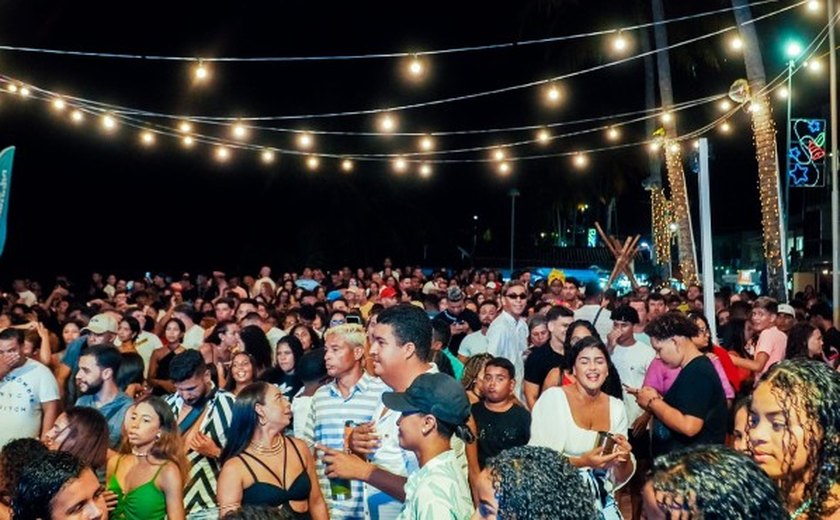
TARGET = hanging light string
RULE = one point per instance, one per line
(386, 55)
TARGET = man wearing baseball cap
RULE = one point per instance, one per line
(785, 317)
(101, 329)
(433, 409)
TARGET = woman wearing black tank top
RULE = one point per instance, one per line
(263, 467)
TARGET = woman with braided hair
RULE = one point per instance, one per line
(794, 435)
(532, 483)
(711, 482)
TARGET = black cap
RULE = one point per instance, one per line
(625, 313)
(436, 394)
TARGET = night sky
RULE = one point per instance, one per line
(82, 201)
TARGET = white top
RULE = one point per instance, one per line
(145, 344)
(21, 393)
(194, 337)
(507, 337)
(604, 323)
(28, 298)
(438, 491)
(473, 343)
(632, 363)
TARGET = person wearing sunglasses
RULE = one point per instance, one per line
(507, 336)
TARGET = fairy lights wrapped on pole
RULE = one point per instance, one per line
(681, 214)
(660, 208)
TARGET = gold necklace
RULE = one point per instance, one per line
(276, 447)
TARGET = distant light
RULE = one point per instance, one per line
(580, 160)
(77, 116)
(185, 127)
(783, 93)
(387, 123)
(725, 105)
(814, 6)
(725, 127)
(347, 165)
(504, 168)
(24, 91)
(222, 153)
(672, 226)
(312, 162)
(427, 143)
(736, 44)
(654, 146)
(813, 66)
(613, 134)
(109, 123)
(696, 144)
(239, 131)
(188, 141)
(416, 67)
(475, 217)
(425, 170)
(11, 87)
(400, 165)
(667, 117)
(305, 141)
(147, 138)
(644, 245)
(59, 104)
(267, 156)
(543, 136)
(542, 234)
(499, 154)
(793, 50)
(825, 271)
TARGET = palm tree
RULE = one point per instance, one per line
(764, 131)
(673, 160)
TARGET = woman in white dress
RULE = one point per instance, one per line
(587, 425)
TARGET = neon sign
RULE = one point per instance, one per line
(806, 153)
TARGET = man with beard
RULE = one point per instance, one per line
(476, 342)
(102, 328)
(97, 383)
(203, 413)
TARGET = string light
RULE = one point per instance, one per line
(147, 138)
(814, 6)
(11, 87)
(543, 136)
(201, 72)
(77, 116)
(654, 146)
(427, 143)
(188, 141)
(725, 105)
(305, 141)
(783, 93)
(222, 153)
(267, 156)
(425, 170)
(674, 148)
(416, 67)
(696, 144)
(619, 43)
(59, 104)
(239, 131)
(185, 126)
(109, 123)
(812, 65)
(387, 123)
(504, 168)
(667, 117)
(400, 165)
(312, 163)
(725, 127)
(660, 218)
(613, 133)
(553, 94)
(499, 154)
(347, 165)
(24, 91)
(580, 160)
(735, 43)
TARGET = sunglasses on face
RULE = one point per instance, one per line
(517, 296)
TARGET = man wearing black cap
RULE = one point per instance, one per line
(461, 320)
(433, 408)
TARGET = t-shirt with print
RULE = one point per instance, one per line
(22, 393)
(498, 431)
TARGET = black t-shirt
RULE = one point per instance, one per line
(831, 342)
(465, 315)
(698, 392)
(289, 384)
(500, 431)
(540, 362)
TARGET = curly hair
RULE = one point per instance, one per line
(534, 483)
(811, 390)
(14, 456)
(714, 482)
(472, 367)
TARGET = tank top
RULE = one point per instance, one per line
(145, 502)
(265, 494)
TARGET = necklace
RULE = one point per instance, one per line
(139, 454)
(805, 505)
(276, 447)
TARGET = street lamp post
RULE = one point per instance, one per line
(835, 190)
(793, 51)
(513, 194)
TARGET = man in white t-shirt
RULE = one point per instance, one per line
(593, 311)
(476, 342)
(28, 392)
(194, 336)
(772, 343)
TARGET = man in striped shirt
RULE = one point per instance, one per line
(352, 396)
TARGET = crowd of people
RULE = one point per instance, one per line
(408, 394)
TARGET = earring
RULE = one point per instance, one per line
(262, 421)
(157, 437)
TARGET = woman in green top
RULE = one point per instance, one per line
(148, 475)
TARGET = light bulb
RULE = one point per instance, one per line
(11, 87)
(654, 146)
(59, 104)
(580, 160)
(387, 123)
(499, 154)
(312, 163)
(109, 123)
(725, 127)
(185, 127)
(222, 153)
(305, 141)
(400, 165)
(201, 72)
(783, 93)
(553, 94)
(239, 131)
(267, 156)
(674, 148)
(619, 43)
(188, 141)
(814, 6)
(77, 116)
(725, 105)
(696, 144)
(543, 136)
(416, 67)
(613, 134)
(147, 138)
(735, 43)
(504, 168)
(425, 170)
(667, 117)
(24, 91)
(426, 143)
(347, 165)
